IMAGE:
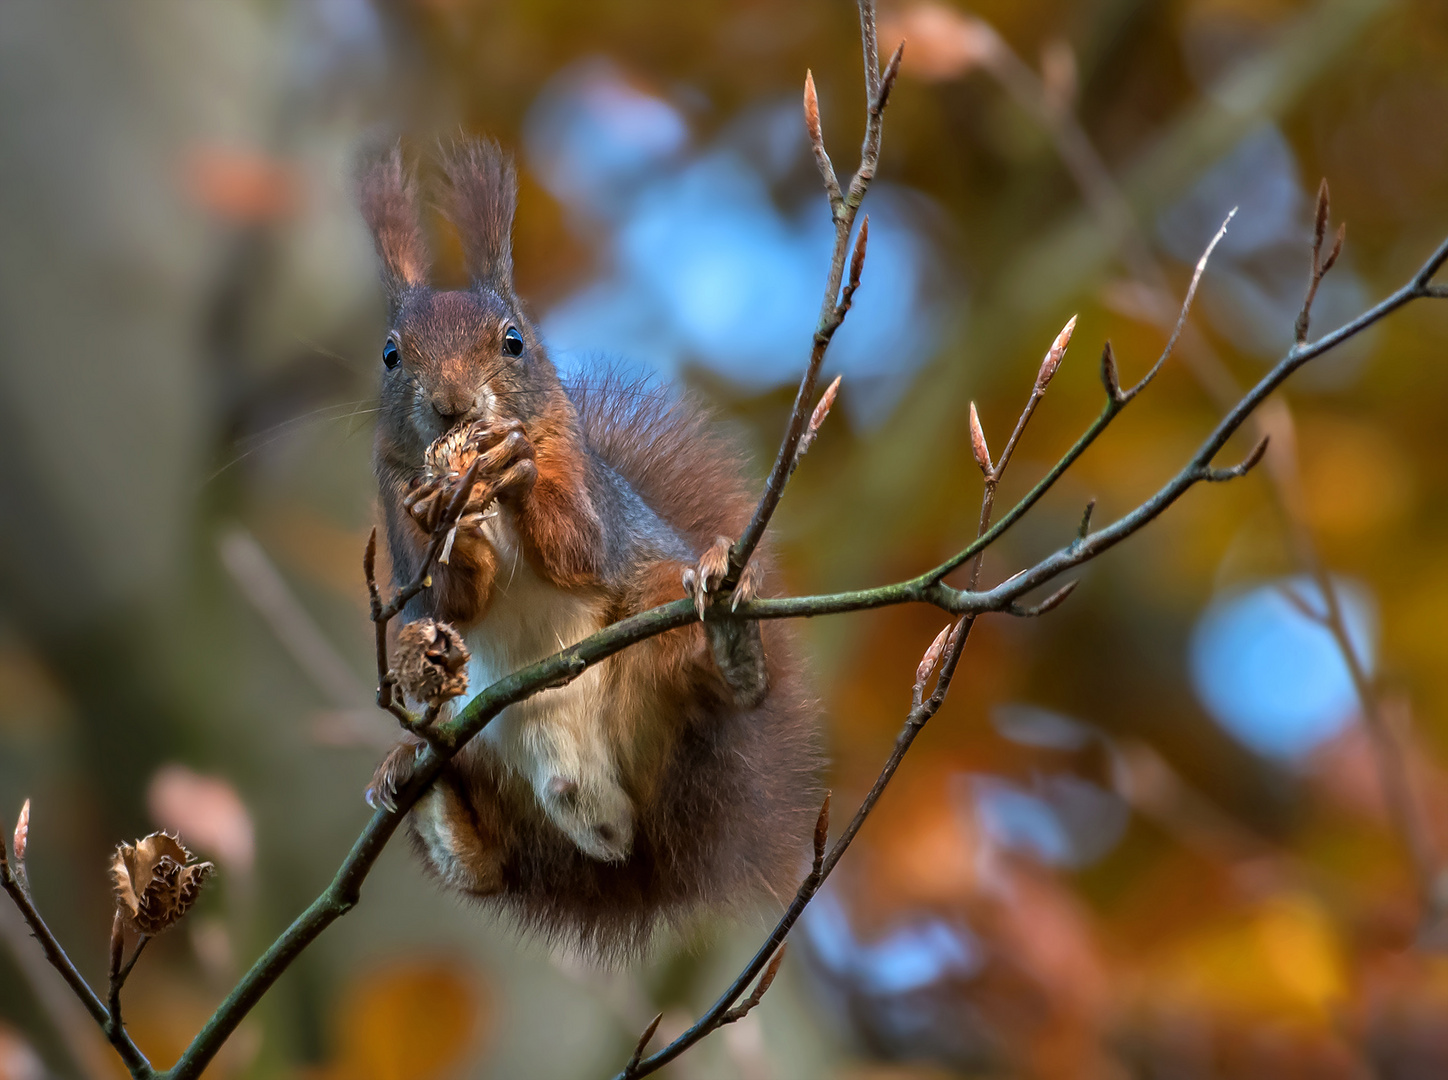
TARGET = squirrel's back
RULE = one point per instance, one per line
(669, 450)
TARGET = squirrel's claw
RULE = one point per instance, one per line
(702, 581)
(392, 774)
(747, 588)
(423, 502)
(737, 645)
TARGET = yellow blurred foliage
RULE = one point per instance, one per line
(1282, 959)
(321, 550)
(32, 702)
(408, 1020)
(1355, 477)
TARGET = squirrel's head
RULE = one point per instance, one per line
(452, 357)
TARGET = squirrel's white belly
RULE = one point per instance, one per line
(557, 739)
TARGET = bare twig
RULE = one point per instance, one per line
(1109, 377)
(817, 145)
(134, 1060)
(1085, 526)
(843, 207)
(1116, 400)
(1050, 603)
(919, 714)
(1239, 470)
(1320, 266)
(630, 1070)
(342, 894)
(1101, 192)
(448, 737)
(1394, 776)
(384, 613)
(939, 660)
(119, 972)
(740, 1011)
(816, 421)
(1049, 365)
(267, 591)
(90, 1053)
(993, 472)
(821, 834)
(1181, 322)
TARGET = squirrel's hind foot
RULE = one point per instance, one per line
(396, 769)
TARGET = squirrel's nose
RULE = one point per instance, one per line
(454, 407)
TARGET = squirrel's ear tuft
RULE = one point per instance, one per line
(389, 203)
(482, 196)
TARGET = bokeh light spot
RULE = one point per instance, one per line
(1273, 677)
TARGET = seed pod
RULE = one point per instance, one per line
(156, 882)
(432, 661)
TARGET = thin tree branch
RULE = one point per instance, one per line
(921, 711)
(743, 1009)
(1181, 322)
(450, 736)
(843, 208)
(1394, 777)
(130, 1054)
(1101, 192)
(90, 1054)
(1116, 400)
(119, 973)
(994, 471)
(262, 584)
(1320, 266)
(816, 421)
(1237, 471)
(631, 1068)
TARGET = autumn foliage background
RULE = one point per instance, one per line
(1144, 837)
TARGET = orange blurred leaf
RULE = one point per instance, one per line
(411, 1020)
(207, 811)
(943, 42)
(240, 185)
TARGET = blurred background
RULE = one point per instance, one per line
(1146, 836)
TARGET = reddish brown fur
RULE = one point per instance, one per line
(560, 529)
(723, 795)
(669, 451)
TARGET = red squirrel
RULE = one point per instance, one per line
(676, 776)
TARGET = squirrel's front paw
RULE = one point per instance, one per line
(737, 646)
(425, 501)
(702, 580)
(508, 468)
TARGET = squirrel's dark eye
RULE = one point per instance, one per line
(390, 354)
(513, 342)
